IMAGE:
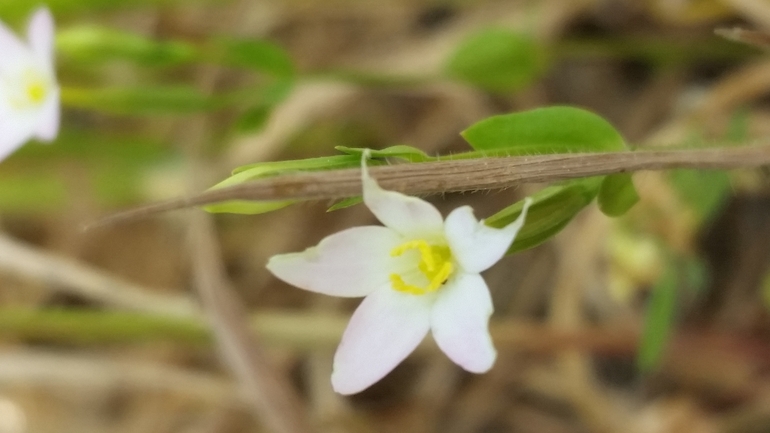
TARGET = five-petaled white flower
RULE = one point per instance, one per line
(29, 94)
(418, 273)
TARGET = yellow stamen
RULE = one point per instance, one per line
(36, 91)
(435, 263)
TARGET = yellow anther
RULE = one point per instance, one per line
(398, 284)
(435, 264)
(441, 276)
(37, 91)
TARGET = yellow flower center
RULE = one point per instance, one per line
(435, 264)
(36, 91)
(35, 86)
(33, 91)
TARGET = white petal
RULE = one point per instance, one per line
(460, 323)
(40, 33)
(10, 46)
(476, 246)
(15, 130)
(407, 215)
(351, 263)
(385, 329)
(48, 118)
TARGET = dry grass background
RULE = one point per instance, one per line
(568, 313)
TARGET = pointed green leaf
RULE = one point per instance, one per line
(247, 207)
(617, 194)
(266, 169)
(497, 60)
(345, 203)
(402, 151)
(659, 320)
(552, 208)
(545, 130)
(263, 169)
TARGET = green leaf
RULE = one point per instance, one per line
(91, 43)
(255, 54)
(150, 100)
(617, 194)
(551, 210)
(266, 169)
(402, 151)
(345, 203)
(497, 60)
(659, 320)
(558, 129)
(246, 207)
(552, 130)
(705, 192)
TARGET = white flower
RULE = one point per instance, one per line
(29, 94)
(418, 273)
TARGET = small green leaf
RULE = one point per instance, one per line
(659, 320)
(617, 194)
(705, 192)
(247, 207)
(150, 100)
(255, 54)
(551, 210)
(558, 129)
(263, 169)
(497, 60)
(91, 43)
(345, 203)
(402, 151)
(266, 169)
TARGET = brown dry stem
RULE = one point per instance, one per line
(478, 174)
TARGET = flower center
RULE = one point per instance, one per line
(35, 87)
(31, 89)
(435, 265)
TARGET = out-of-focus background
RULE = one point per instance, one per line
(100, 331)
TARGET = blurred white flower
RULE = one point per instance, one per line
(419, 273)
(29, 94)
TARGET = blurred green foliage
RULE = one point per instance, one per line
(497, 60)
(659, 319)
